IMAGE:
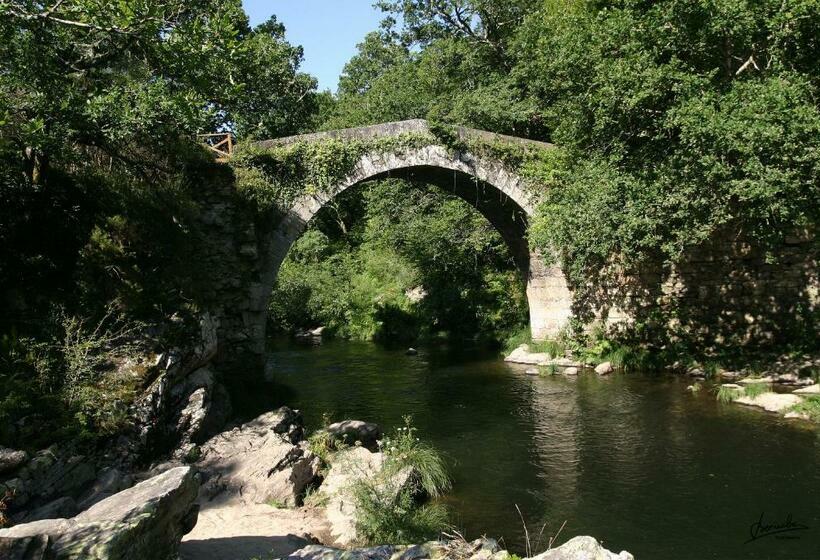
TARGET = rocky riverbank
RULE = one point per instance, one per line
(256, 490)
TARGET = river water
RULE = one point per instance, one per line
(634, 460)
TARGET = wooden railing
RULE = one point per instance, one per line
(221, 143)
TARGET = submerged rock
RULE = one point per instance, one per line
(146, 521)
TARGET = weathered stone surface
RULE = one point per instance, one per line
(579, 548)
(349, 467)
(59, 508)
(753, 380)
(146, 521)
(772, 402)
(25, 548)
(109, 482)
(604, 368)
(570, 371)
(582, 548)
(11, 459)
(810, 390)
(257, 462)
(797, 415)
(349, 432)
(204, 412)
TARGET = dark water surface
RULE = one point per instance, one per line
(633, 460)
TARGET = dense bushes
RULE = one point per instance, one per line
(101, 187)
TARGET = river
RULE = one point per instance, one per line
(634, 460)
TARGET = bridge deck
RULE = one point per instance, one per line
(396, 129)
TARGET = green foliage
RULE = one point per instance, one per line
(672, 136)
(273, 177)
(726, 394)
(753, 390)
(810, 407)
(76, 386)
(97, 150)
(386, 507)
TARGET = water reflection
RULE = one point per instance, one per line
(634, 460)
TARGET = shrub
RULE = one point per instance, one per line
(386, 512)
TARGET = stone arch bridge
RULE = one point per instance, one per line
(496, 191)
(723, 289)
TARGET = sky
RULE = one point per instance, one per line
(329, 30)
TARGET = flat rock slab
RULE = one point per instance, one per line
(773, 402)
(257, 462)
(752, 380)
(810, 390)
(522, 355)
(243, 532)
(145, 521)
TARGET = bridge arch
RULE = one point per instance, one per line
(484, 182)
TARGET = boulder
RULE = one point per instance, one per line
(11, 459)
(145, 521)
(773, 402)
(810, 390)
(349, 432)
(582, 548)
(25, 548)
(109, 482)
(203, 412)
(348, 468)
(572, 370)
(522, 355)
(258, 462)
(604, 368)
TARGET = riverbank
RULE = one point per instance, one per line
(255, 479)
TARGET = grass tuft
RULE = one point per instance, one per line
(809, 407)
(387, 509)
(754, 389)
(726, 394)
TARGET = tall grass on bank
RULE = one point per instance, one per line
(726, 394)
(810, 407)
(388, 507)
